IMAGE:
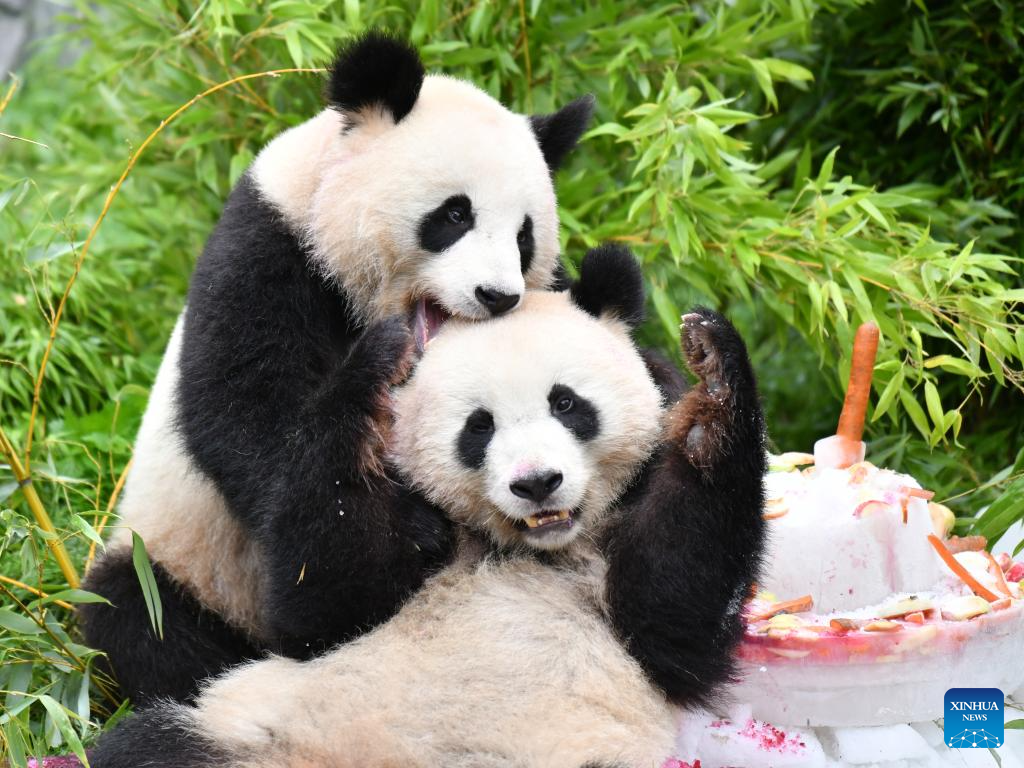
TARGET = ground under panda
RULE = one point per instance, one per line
(544, 642)
(256, 483)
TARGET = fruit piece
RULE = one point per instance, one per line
(905, 606)
(943, 519)
(881, 625)
(964, 607)
(1016, 572)
(868, 506)
(999, 605)
(786, 462)
(785, 621)
(775, 508)
(956, 567)
(917, 617)
(997, 572)
(958, 544)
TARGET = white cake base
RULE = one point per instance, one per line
(740, 742)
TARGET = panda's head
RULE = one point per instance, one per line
(528, 427)
(422, 193)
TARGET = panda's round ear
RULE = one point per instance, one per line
(610, 283)
(558, 132)
(375, 71)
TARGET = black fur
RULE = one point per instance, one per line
(196, 642)
(692, 535)
(281, 402)
(375, 70)
(445, 225)
(558, 132)
(580, 417)
(611, 281)
(271, 346)
(474, 438)
(154, 738)
(524, 239)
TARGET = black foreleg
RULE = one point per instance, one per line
(346, 544)
(690, 544)
(196, 643)
(160, 737)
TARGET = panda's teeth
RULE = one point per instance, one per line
(545, 518)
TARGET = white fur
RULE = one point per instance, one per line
(180, 514)
(509, 366)
(359, 197)
(496, 661)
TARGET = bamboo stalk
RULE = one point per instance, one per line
(33, 590)
(35, 504)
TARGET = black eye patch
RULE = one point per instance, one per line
(446, 224)
(526, 245)
(577, 414)
(474, 438)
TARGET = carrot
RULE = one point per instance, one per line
(954, 565)
(957, 544)
(842, 625)
(798, 605)
(1000, 579)
(855, 406)
(921, 493)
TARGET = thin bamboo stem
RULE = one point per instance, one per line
(35, 504)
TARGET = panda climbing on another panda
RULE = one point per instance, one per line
(256, 483)
(605, 547)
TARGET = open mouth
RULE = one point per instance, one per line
(546, 521)
(428, 317)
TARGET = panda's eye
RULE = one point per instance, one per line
(521, 237)
(481, 423)
(564, 404)
(456, 215)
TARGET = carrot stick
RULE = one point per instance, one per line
(1000, 579)
(798, 605)
(855, 406)
(954, 565)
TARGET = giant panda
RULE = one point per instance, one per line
(256, 485)
(582, 562)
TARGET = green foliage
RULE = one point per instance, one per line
(715, 154)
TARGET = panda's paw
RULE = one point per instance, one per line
(384, 354)
(711, 416)
(710, 343)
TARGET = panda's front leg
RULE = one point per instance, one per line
(346, 543)
(689, 546)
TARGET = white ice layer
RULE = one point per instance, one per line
(843, 552)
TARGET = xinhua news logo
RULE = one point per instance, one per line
(974, 718)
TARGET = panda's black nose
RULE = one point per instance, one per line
(536, 487)
(497, 303)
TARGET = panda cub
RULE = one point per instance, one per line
(256, 482)
(532, 648)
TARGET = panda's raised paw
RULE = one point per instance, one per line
(385, 352)
(710, 344)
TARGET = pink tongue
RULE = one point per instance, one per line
(421, 325)
(429, 318)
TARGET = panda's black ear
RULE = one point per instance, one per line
(610, 283)
(375, 71)
(558, 132)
